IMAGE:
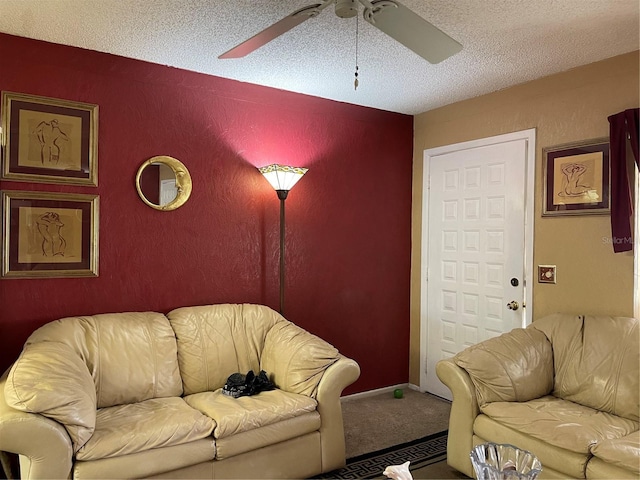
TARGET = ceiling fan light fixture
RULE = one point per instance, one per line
(346, 8)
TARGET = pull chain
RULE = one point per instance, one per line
(355, 83)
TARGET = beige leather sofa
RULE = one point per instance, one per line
(566, 388)
(138, 395)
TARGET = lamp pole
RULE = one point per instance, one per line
(282, 195)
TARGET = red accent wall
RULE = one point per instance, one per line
(347, 221)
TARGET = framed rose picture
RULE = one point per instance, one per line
(576, 178)
(49, 140)
(49, 235)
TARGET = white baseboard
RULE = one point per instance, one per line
(377, 391)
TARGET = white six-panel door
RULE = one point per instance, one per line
(475, 255)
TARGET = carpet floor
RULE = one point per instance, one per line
(373, 423)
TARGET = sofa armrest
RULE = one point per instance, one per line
(335, 379)
(295, 359)
(516, 366)
(44, 445)
(303, 363)
(464, 410)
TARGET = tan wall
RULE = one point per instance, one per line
(565, 107)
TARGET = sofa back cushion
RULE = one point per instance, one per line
(596, 360)
(131, 356)
(515, 367)
(51, 379)
(215, 341)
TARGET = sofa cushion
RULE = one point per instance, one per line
(237, 415)
(514, 367)
(275, 433)
(215, 341)
(623, 452)
(597, 468)
(295, 359)
(571, 464)
(51, 379)
(597, 360)
(137, 427)
(560, 423)
(148, 462)
(131, 356)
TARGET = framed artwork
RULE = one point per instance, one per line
(48, 140)
(576, 178)
(49, 234)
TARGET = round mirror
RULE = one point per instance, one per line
(163, 183)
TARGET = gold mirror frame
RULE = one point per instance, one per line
(183, 182)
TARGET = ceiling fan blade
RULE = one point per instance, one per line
(275, 30)
(411, 30)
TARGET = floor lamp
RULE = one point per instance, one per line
(282, 178)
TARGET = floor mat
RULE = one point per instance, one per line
(420, 453)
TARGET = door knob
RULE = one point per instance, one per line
(513, 305)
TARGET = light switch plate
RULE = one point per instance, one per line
(546, 274)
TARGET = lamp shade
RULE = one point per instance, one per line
(282, 177)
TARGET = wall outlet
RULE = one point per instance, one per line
(546, 274)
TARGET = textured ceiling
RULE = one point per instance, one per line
(506, 42)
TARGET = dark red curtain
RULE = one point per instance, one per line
(623, 126)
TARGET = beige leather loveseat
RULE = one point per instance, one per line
(566, 388)
(138, 395)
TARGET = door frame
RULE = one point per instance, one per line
(530, 161)
(636, 247)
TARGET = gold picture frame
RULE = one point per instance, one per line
(577, 178)
(49, 235)
(48, 140)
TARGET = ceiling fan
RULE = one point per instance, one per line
(389, 16)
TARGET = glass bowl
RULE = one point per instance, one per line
(492, 461)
